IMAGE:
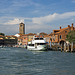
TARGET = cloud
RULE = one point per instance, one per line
(39, 20)
(73, 1)
(15, 21)
(53, 17)
(38, 28)
(39, 24)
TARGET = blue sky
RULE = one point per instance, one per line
(38, 15)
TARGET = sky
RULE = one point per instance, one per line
(37, 15)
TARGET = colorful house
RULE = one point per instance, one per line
(24, 39)
(30, 36)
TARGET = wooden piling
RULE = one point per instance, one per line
(72, 47)
(64, 46)
(68, 48)
(61, 47)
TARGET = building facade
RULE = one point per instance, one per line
(58, 37)
(1, 40)
(24, 39)
(10, 40)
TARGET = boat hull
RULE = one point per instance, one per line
(38, 48)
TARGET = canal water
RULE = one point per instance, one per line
(19, 61)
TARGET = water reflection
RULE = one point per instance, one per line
(37, 52)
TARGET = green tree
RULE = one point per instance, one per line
(71, 37)
(2, 34)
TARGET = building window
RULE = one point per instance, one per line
(60, 37)
(65, 31)
(24, 38)
(53, 39)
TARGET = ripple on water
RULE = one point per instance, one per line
(19, 61)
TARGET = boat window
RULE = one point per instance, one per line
(31, 44)
(41, 38)
(38, 38)
(41, 43)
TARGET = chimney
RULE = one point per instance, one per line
(72, 28)
(60, 27)
(72, 25)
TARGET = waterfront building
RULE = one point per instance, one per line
(30, 36)
(22, 28)
(19, 42)
(10, 40)
(47, 38)
(24, 39)
(58, 37)
(1, 40)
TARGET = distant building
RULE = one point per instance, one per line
(24, 39)
(1, 40)
(22, 28)
(19, 42)
(10, 40)
(47, 38)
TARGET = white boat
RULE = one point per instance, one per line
(1, 46)
(38, 43)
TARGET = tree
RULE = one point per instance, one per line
(2, 34)
(71, 37)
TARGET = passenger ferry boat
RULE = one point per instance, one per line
(38, 43)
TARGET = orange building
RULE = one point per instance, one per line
(59, 36)
(19, 42)
(30, 36)
(24, 39)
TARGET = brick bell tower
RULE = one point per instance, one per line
(22, 28)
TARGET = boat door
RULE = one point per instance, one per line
(35, 45)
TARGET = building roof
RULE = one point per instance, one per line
(31, 34)
(42, 33)
(46, 35)
(61, 30)
(58, 31)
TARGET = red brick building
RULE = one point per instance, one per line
(59, 36)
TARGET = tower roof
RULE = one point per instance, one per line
(21, 23)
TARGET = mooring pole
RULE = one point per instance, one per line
(72, 47)
(61, 47)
